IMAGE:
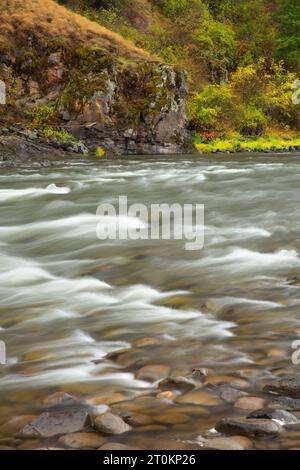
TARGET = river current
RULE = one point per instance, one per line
(73, 309)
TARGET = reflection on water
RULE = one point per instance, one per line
(70, 303)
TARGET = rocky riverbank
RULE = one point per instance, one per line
(260, 410)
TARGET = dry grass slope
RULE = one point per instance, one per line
(48, 20)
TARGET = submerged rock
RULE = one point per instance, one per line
(230, 394)
(288, 385)
(226, 443)
(15, 424)
(250, 403)
(279, 415)
(285, 403)
(82, 440)
(59, 398)
(248, 427)
(106, 398)
(182, 384)
(117, 446)
(199, 398)
(152, 373)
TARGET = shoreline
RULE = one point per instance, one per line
(23, 146)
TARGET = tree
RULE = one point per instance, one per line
(216, 41)
(288, 41)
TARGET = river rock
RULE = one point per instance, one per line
(285, 417)
(10, 441)
(182, 384)
(227, 443)
(145, 342)
(227, 379)
(117, 446)
(249, 403)
(82, 440)
(200, 373)
(137, 419)
(285, 403)
(55, 423)
(14, 425)
(230, 394)
(288, 385)
(248, 427)
(30, 444)
(59, 398)
(152, 428)
(106, 398)
(172, 417)
(167, 395)
(108, 423)
(199, 398)
(152, 373)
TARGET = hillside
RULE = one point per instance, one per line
(46, 21)
(241, 57)
(68, 77)
(125, 66)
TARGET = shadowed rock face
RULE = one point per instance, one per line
(144, 115)
(136, 108)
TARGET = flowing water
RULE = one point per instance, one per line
(72, 307)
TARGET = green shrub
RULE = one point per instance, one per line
(173, 7)
(252, 122)
(216, 41)
(212, 109)
(42, 115)
(58, 134)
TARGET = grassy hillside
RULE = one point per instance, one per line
(47, 21)
(241, 57)
(66, 74)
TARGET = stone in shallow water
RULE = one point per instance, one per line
(248, 427)
(16, 424)
(117, 446)
(167, 395)
(281, 415)
(106, 398)
(172, 417)
(227, 379)
(145, 342)
(199, 398)
(152, 373)
(152, 428)
(59, 398)
(55, 423)
(288, 385)
(230, 394)
(136, 419)
(82, 440)
(30, 444)
(109, 423)
(177, 383)
(285, 403)
(249, 403)
(227, 443)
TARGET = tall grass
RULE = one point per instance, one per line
(48, 20)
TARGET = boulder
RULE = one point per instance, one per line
(249, 427)
(55, 423)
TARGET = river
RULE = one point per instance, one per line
(73, 309)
